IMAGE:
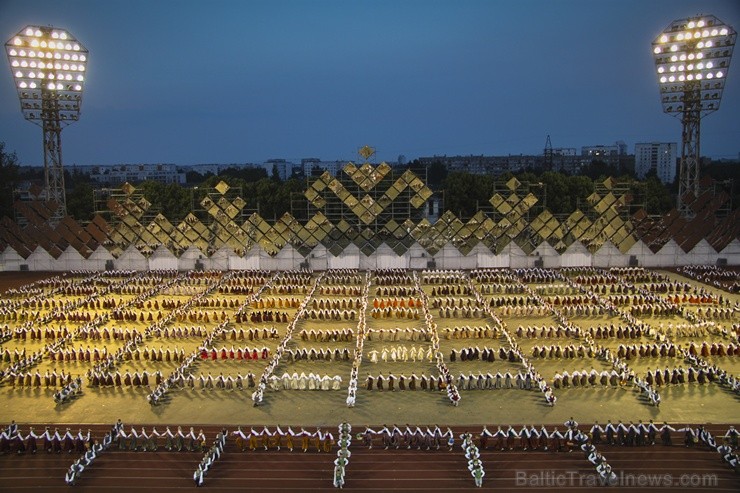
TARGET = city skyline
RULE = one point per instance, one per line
(185, 83)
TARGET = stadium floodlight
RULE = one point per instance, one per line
(49, 68)
(692, 58)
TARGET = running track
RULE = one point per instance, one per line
(375, 470)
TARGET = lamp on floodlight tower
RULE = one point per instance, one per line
(692, 58)
(49, 70)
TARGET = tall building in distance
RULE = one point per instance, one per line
(656, 156)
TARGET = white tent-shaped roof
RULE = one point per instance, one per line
(610, 256)
(550, 257)
(702, 254)
(517, 258)
(163, 259)
(642, 253)
(131, 259)
(250, 260)
(388, 259)
(470, 261)
(287, 258)
(70, 259)
(731, 252)
(448, 257)
(671, 254)
(10, 260)
(40, 260)
(189, 257)
(349, 258)
(318, 258)
(368, 262)
(489, 259)
(220, 260)
(576, 255)
(418, 257)
(98, 258)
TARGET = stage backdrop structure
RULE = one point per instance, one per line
(49, 68)
(692, 58)
(369, 217)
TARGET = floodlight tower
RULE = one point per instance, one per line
(49, 70)
(692, 58)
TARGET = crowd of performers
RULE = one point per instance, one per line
(410, 437)
(599, 332)
(232, 353)
(432, 437)
(180, 377)
(311, 381)
(211, 456)
(401, 354)
(69, 391)
(713, 276)
(320, 354)
(475, 465)
(403, 301)
(92, 450)
(571, 437)
(522, 380)
(593, 378)
(51, 440)
(343, 454)
(339, 335)
(392, 382)
(49, 379)
(277, 438)
(398, 334)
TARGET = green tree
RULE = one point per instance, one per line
(246, 173)
(579, 188)
(556, 190)
(194, 177)
(658, 199)
(8, 179)
(436, 174)
(81, 202)
(174, 201)
(464, 192)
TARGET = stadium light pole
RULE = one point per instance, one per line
(692, 58)
(49, 69)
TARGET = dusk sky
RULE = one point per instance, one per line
(190, 82)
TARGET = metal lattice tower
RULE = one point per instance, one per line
(692, 58)
(548, 154)
(49, 68)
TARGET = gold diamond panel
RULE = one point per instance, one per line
(362, 204)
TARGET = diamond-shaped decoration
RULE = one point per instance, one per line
(128, 188)
(496, 200)
(529, 201)
(222, 187)
(311, 194)
(425, 193)
(143, 203)
(350, 169)
(366, 152)
(417, 201)
(319, 202)
(513, 184)
(207, 203)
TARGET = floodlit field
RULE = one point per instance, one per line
(208, 312)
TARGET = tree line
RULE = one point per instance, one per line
(461, 192)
